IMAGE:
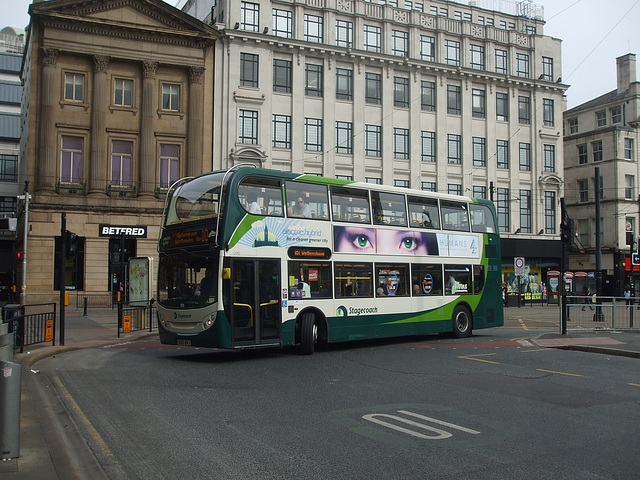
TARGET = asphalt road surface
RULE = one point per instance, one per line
(486, 407)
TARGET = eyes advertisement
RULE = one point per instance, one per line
(371, 240)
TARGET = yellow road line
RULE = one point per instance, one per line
(92, 431)
(634, 385)
(472, 357)
(536, 350)
(558, 373)
(524, 327)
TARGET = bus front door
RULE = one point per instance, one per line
(256, 311)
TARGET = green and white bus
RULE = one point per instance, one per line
(260, 258)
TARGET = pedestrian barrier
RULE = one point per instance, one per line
(607, 313)
(32, 324)
(132, 319)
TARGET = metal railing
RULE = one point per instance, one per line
(610, 313)
(33, 324)
(133, 319)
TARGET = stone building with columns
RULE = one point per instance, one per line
(117, 106)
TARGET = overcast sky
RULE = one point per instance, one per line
(593, 34)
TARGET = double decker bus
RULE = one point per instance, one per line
(252, 258)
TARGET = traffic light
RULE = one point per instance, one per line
(71, 243)
(567, 230)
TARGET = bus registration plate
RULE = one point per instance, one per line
(184, 343)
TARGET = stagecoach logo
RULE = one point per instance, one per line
(342, 311)
(177, 315)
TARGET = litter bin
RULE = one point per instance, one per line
(10, 385)
(11, 313)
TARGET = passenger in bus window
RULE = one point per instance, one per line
(300, 209)
(416, 289)
(254, 207)
(207, 283)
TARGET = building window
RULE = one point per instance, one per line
(502, 64)
(477, 57)
(547, 112)
(502, 107)
(427, 48)
(428, 186)
(583, 232)
(401, 143)
(373, 140)
(480, 191)
(628, 148)
(583, 191)
(601, 118)
(249, 70)
(454, 148)
(169, 164)
(9, 205)
(479, 151)
(502, 153)
(282, 23)
(400, 43)
(428, 96)
(8, 168)
(248, 127)
(549, 212)
(71, 162)
(401, 183)
(281, 131)
(344, 84)
(524, 110)
(502, 209)
(313, 80)
(428, 146)
(522, 65)
(547, 69)
(583, 154)
(454, 189)
(344, 137)
(452, 52)
(373, 88)
(478, 103)
(74, 87)
(401, 92)
(629, 182)
(596, 148)
(373, 180)
(573, 125)
(313, 28)
(616, 115)
(171, 97)
(549, 152)
(525, 211)
(372, 38)
(282, 75)
(249, 16)
(345, 177)
(121, 163)
(313, 134)
(524, 155)
(344, 33)
(454, 100)
(123, 92)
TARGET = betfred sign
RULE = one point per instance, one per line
(117, 231)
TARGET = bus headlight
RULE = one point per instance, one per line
(209, 321)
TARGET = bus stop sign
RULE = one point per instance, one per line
(518, 266)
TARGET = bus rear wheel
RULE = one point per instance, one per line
(308, 334)
(461, 321)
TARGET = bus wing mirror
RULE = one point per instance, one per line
(226, 273)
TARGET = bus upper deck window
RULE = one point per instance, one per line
(261, 196)
(350, 205)
(307, 200)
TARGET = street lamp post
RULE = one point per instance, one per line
(23, 291)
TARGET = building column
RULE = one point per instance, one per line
(194, 125)
(147, 170)
(98, 167)
(46, 163)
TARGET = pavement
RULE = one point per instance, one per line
(52, 449)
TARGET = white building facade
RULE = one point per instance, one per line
(431, 95)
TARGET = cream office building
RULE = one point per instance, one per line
(430, 95)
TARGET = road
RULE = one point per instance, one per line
(486, 407)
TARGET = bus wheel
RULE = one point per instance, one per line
(308, 334)
(461, 322)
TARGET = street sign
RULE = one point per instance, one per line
(518, 266)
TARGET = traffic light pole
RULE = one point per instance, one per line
(63, 263)
(23, 291)
(564, 234)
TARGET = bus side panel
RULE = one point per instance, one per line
(218, 336)
(288, 332)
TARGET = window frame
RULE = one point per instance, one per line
(282, 75)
